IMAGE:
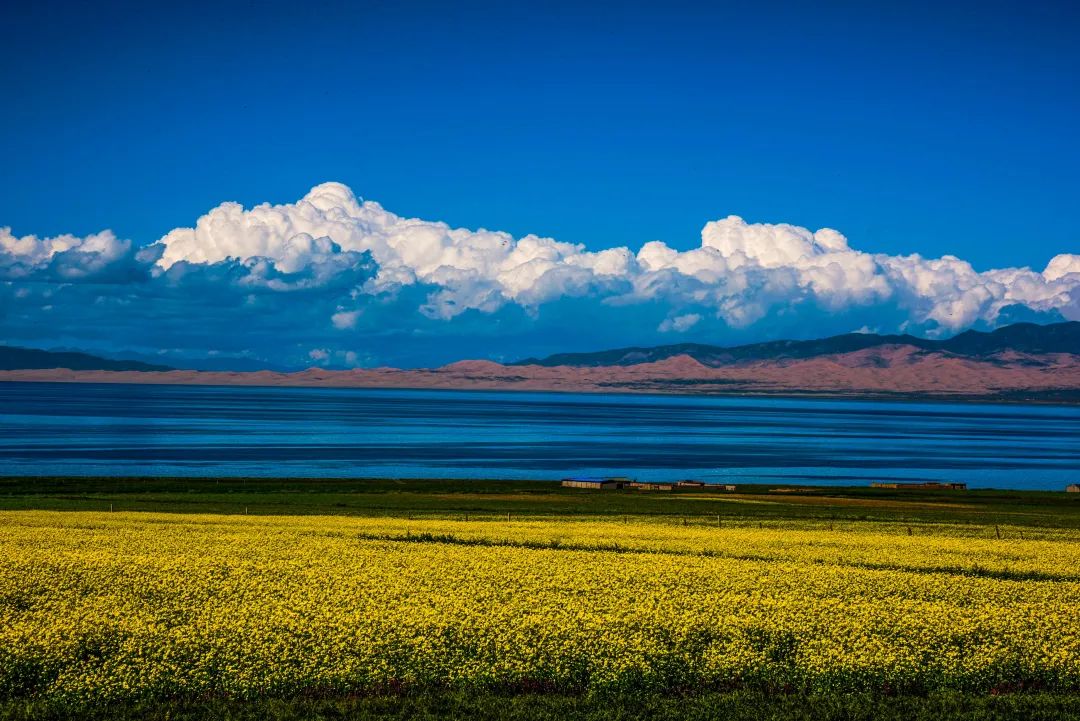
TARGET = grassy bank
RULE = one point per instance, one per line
(448, 498)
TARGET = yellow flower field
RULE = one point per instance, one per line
(104, 606)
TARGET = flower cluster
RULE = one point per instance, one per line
(99, 607)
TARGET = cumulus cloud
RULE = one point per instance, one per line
(740, 273)
(1061, 266)
(468, 270)
(64, 257)
(345, 319)
(369, 271)
(680, 323)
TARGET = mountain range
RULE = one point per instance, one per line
(1020, 362)
(16, 358)
(1028, 338)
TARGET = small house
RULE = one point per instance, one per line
(1073, 488)
(689, 484)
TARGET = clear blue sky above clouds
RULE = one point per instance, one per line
(908, 127)
(940, 128)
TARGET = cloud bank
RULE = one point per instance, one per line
(332, 279)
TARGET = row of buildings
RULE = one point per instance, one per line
(935, 485)
(920, 485)
(619, 482)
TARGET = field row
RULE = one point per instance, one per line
(100, 606)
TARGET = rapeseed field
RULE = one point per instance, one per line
(113, 607)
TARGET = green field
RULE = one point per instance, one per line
(116, 570)
(455, 498)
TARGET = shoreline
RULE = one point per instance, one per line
(1038, 396)
(713, 489)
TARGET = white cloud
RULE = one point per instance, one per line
(473, 269)
(20, 256)
(769, 246)
(680, 323)
(345, 319)
(741, 272)
(1061, 266)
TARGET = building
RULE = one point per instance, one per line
(689, 484)
(1074, 488)
(920, 485)
(726, 486)
(597, 483)
(646, 486)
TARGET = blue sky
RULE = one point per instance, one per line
(909, 129)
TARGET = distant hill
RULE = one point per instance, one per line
(1021, 363)
(1026, 339)
(230, 363)
(210, 363)
(15, 358)
(1019, 337)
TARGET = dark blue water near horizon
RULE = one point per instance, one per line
(112, 429)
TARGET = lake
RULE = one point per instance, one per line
(106, 429)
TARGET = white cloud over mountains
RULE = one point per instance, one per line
(740, 272)
(351, 255)
(70, 257)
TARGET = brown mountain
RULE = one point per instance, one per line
(1020, 337)
(1037, 365)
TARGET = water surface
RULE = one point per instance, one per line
(106, 429)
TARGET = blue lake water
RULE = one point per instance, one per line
(86, 429)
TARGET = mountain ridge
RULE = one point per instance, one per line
(19, 358)
(1026, 338)
(1018, 363)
